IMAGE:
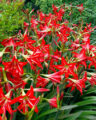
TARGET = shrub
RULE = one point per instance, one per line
(11, 18)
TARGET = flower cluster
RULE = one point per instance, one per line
(51, 50)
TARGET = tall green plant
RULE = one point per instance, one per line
(11, 17)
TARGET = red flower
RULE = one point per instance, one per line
(0, 69)
(41, 16)
(16, 80)
(14, 67)
(45, 50)
(55, 77)
(26, 42)
(5, 103)
(41, 82)
(9, 42)
(46, 29)
(63, 33)
(34, 59)
(54, 8)
(66, 68)
(27, 100)
(75, 44)
(53, 102)
(80, 56)
(78, 83)
(92, 80)
(92, 62)
(86, 38)
(51, 66)
(34, 23)
(26, 25)
(41, 90)
(80, 8)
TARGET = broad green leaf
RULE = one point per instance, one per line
(73, 116)
(86, 102)
(68, 107)
(55, 110)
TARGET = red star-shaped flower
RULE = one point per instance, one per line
(14, 66)
(26, 101)
(78, 83)
(5, 103)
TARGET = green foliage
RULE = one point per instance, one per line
(46, 5)
(43, 5)
(11, 18)
(31, 4)
(74, 107)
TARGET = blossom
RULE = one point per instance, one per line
(34, 60)
(80, 58)
(14, 66)
(66, 68)
(55, 77)
(92, 62)
(80, 7)
(5, 103)
(9, 42)
(26, 42)
(26, 101)
(92, 80)
(41, 82)
(16, 80)
(26, 25)
(53, 102)
(41, 90)
(41, 16)
(78, 83)
(34, 23)
(54, 8)
(0, 69)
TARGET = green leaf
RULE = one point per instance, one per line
(86, 102)
(47, 113)
(73, 116)
(68, 107)
(55, 110)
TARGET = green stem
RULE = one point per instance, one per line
(4, 75)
